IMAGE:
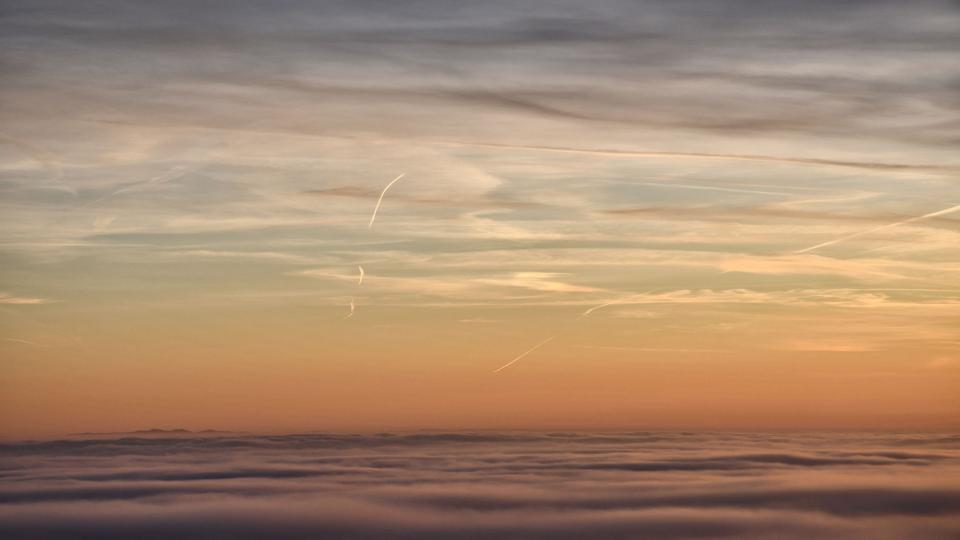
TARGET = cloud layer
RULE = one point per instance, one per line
(485, 485)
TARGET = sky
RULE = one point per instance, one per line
(682, 214)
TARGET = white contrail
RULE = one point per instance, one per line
(623, 301)
(360, 281)
(594, 308)
(535, 347)
(172, 174)
(713, 188)
(705, 155)
(23, 341)
(352, 309)
(382, 193)
(880, 228)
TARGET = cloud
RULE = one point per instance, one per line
(710, 156)
(538, 281)
(484, 485)
(478, 320)
(848, 298)
(452, 284)
(256, 255)
(781, 211)
(521, 133)
(7, 298)
(21, 341)
(830, 345)
(944, 362)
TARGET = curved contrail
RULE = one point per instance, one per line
(594, 308)
(535, 347)
(623, 301)
(370, 226)
(382, 193)
(880, 228)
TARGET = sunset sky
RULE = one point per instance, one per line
(760, 199)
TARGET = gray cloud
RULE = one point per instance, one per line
(483, 485)
(640, 64)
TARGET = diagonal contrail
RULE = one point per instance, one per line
(352, 309)
(880, 228)
(172, 174)
(713, 188)
(382, 193)
(535, 347)
(706, 155)
(362, 273)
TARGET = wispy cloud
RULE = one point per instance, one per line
(45, 158)
(21, 341)
(7, 298)
(709, 156)
(848, 298)
(714, 188)
(647, 349)
(538, 281)
(944, 362)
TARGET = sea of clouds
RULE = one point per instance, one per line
(483, 485)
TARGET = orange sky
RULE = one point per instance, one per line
(280, 369)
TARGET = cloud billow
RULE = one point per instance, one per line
(484, 485)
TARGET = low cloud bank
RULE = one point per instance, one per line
(484, 485)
